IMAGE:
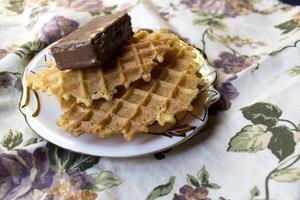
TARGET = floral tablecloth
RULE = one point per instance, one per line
(247, 150)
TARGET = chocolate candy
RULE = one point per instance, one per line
(94, 43)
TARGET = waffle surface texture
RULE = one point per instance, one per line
(135, 60)
(173, 87)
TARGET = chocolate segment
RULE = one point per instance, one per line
(92, 44)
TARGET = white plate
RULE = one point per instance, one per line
(44, 123)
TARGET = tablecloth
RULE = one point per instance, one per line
(247, 150)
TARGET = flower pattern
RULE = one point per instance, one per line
(268, 129)
(79, 179)
(10, 79)
(94, 7)
(232, 40)
(290, 25)
(227, 89)
(23, 173)
(18, 85)
(232, 63)
(229, 8)
(228, 93)
(82, 5)
(196, 189)
(35, 174)
(187, 192)
(57, 28)
(67, 187)
(5, 80)
(48, 172)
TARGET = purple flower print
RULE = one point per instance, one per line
(229, 62)
(57, 28)
(10, 79)
(79, 179)
(18, 85)
(228, 93)
(188, 3)
(72, 184)
(23, 172)
(228, 90)
(83, 5)
(234, 8)
(229, 8)
(205, 7)
(232, 64)
(5, 80)
(187, 192)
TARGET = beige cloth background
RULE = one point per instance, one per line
(249, 148)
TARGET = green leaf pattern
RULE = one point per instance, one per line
(105, 10)
(282, 143)
(16, 6)
(104, 180)
(296, 136)
(61, 159)
(213, 20)
(287, 26)
(287, 175)
(269, 131)
(192, 180)
(196, 187)
(30, 49)
(203, 175)
(262, 113)
(264, 132)
(251, 138)
(254, 192)
(213, 186)
(11, 139)
(33, 140)
(162, 190)
(294, 71)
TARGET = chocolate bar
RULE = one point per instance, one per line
(92, 44)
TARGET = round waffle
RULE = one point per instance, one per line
(173, 87)
(135, 60)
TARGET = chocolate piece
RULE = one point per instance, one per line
(92, 44)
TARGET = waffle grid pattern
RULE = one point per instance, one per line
(170, 92)
(134, 61)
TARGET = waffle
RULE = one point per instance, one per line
(134, 61)
(173, 87)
